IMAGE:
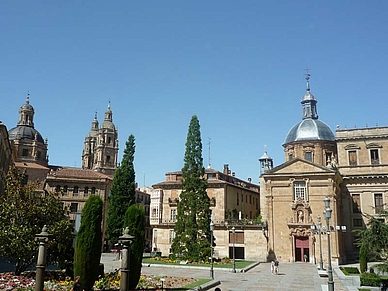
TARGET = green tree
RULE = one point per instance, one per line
(87, 254)
(135, 221)
(23, 212)
(122, 192)
(373, 241)
(192, 228)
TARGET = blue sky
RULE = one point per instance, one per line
(238, 65)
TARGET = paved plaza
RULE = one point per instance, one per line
(292, 276)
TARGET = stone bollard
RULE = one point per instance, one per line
(43, 238)
(125, 240)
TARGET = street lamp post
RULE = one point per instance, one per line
(211, 248)
(234, 258)
(320, 242)
(327, 214)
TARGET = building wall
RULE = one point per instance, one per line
(5, 156)
(223, 190)
(364, 177)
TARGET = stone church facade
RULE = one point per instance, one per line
(350, 168)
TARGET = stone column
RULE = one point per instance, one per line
(43, 238)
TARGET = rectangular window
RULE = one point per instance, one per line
(173, 215)
(352, 158)
(299, 190)
(308, 156)
(328, 157)
(238, 202)
(356, 203)
(93, 190)
(250, 199)
(73, 207)
(378, 203)
(25, 152)
(75, 190)
(374, 157)
(237, 237)
(172, 236)
(290, 157)
(242, 198)
(357, 222)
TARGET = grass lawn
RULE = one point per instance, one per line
(239, 264)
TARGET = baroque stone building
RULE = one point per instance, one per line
(234, 203)
(349, 168)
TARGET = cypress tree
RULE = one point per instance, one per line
(135, 221)
(89, 242)
(192, 231)
(122, 192)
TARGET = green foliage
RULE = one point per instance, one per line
(89, 242)
(192, 240)
(363, 258)
(370, 279)
(373, 241)
(122, 192)
(135, 221)
(350, 270)
(23, 213)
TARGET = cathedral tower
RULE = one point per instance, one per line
(101, 145)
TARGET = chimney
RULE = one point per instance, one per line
(234, 174)
(250, 180)
(226, 169)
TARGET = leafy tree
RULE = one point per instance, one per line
(192, 228)
(374, 241)
(135, 220)
(89, 242)
(122, 192)
(23, 212)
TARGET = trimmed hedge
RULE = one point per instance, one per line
(372, 279)
(350, 270)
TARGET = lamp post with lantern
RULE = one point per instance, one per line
(320, 242)
(327, 214)
(234, 257)
(211, 250)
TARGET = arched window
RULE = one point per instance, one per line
(75, 190)
(58, 188)
(93, 190)
(86, 190)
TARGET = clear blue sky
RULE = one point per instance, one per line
(238, 65)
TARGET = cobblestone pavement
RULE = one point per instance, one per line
(292, 276)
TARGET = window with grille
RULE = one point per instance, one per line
(173, 215)
(300, 190)
(236, 237)
(374, 157)
(378, 203)
(352, 158)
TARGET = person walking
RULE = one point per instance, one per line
(305, 258)
(276, 266)
(272, 267)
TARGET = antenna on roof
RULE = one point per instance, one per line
(208, 143)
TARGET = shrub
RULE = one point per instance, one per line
(370, 279)
(89, 242)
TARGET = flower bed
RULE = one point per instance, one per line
(111, 281)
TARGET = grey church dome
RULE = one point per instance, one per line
(310, 128)
(24, 132)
